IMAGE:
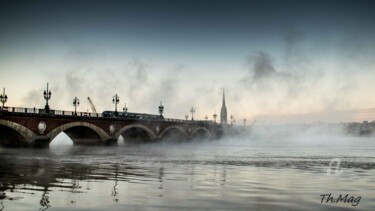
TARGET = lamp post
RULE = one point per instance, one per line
(3, 98)
(215, 115)
(231, 119)
(116, 100)
(186, 117)
(47, 95)
(75, 103)
(125, 109)
(161, 109)
(244, 121)
(192, 110)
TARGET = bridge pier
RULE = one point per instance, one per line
(40, 142)
(111, 141)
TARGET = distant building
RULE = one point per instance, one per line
(223, 113)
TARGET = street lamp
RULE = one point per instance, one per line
(186, 117)
(47, 95)
(125, 109)
(231, 119)
(3, 97)
(75, 103)
(215, 115)
(161, 109)
(116, 100)
(192, 110)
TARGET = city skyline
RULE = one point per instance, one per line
(276, 60)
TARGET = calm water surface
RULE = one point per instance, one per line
(236, 174)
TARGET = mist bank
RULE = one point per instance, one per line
(328, 116)
(351, 129)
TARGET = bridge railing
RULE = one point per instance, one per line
(51, 112)
(200, 122)
(72, 113)
(20, 110)
(36, 111)
(24, 110)
(174, 120)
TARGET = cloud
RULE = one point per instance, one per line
(291, 37)
(262, 65)
(140, 70)
(74, 81)
(263, 72)
(286, 83)
(33, 98)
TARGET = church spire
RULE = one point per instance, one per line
(223, 98)
(223, 113)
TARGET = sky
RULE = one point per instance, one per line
(278, 61)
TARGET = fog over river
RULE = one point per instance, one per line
(255, 172)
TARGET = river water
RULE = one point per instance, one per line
(241, 173)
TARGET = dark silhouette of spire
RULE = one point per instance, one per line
(223, 113)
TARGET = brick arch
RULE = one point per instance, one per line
(27, 134)
(174, 127)
(148, 130)
(201, 128)
(100, 132)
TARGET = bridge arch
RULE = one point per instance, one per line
(171, 128)
(201, 132)
(14, 134)
(93, 132)
(150, 133)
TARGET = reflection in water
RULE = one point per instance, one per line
(207, 175)
(44, 202)
(115, 192)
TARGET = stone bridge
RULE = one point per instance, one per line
(31, 128)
